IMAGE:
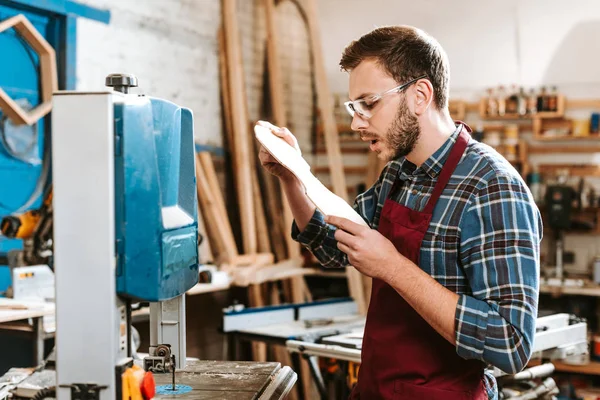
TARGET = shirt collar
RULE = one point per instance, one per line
(433, 165)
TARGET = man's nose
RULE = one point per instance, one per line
(358, 123)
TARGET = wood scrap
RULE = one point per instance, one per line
(258, 274)
(218, 225)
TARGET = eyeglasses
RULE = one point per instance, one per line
(364, 107)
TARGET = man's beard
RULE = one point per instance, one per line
(404, 133)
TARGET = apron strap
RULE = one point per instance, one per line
(448, 169)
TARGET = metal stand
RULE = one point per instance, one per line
(167, 326)
(90, 343)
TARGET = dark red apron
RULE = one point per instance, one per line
(403, 357)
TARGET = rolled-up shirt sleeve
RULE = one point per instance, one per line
(318, 236)
(500, 235)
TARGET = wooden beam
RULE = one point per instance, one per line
(217, 222)
(256, 299)
(278, 108)
(224, 80)
(241, 154)
(205, 255)
(325, 105)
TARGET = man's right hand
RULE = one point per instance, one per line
(268, 161)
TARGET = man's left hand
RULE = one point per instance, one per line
(368, 250)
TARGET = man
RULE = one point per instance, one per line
(453, 243)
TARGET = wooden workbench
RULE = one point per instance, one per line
(28, 318)
(235, 380)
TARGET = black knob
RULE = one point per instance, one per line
(121, 82)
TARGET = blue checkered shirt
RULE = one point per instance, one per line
(482, 243)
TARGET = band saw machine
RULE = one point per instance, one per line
(126, 230)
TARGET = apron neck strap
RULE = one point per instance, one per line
(448, 169)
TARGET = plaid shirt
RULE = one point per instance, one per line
(482, 243)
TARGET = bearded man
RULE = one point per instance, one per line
(453, 237)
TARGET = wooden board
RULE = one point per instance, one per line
(326, 201)
(278, 108)
(256, 299)
(218, 225)
(205, 254)
(239, 113)
(14, 310)
(332, 141)
(325, 102)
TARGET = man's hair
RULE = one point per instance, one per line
(405, 53)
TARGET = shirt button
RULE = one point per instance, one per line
(434, 174)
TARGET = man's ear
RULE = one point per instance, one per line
(424, 95)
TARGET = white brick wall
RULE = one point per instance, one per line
(171, 45)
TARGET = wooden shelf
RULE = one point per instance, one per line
(589, 368)
(559, 113)
(562, 149)
(574, 170)
(591, 291)
(550, 138)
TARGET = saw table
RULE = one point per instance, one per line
(199, 380)
(231, 380)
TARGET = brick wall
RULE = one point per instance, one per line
(172, 48)
(170, 45)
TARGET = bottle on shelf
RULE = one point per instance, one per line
(492, 103)
(522, 103)
(535, 185)
(542, 101)
(512, 103)
(553, 99)
(501, 100)
(532, 102)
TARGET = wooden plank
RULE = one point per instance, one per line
(254, 259)
(254, 275)
(205, 253)
(219, 227)
(273, 206)
(350, 170)
(259, 350)
(224, 86)
(278, 108)
(325, 102)
(206, 161)
(280, 352)
(241, 153)
(325, 105)
(262, 232)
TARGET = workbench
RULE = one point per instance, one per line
(222, 380)
(35, 319)
(235, 380)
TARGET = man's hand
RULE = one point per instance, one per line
(368, 250)
(267, 160)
